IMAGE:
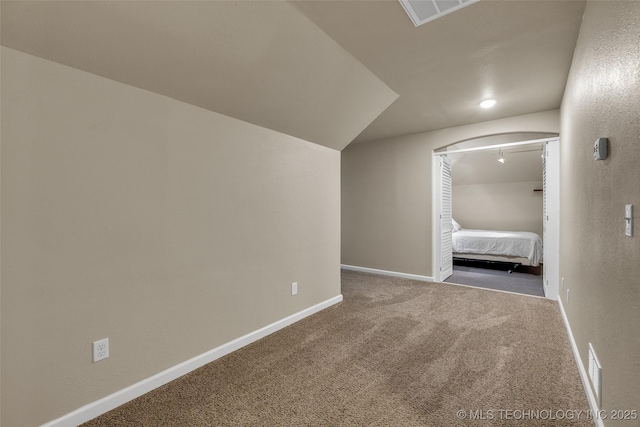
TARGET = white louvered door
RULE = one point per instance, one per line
(445, 218)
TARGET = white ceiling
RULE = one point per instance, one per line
(522, 164)
(516, 51)
(266, 62)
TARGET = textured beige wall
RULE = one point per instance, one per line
(386, 193)
(512, 206)
(600, 265)
(165, 227)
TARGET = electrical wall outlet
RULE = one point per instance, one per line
(100, 350)
(294, 288)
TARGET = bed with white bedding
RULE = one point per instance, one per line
(498, 243)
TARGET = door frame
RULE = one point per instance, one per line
(551, 281)
(551, 224)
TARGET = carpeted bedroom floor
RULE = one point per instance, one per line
(521, 283)
(395, 352)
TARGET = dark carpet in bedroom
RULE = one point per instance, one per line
(521, 283)
(396, 352)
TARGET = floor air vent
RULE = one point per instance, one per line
(423, 11)
(595, 373)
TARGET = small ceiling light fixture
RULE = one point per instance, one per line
(500, 156)
(488, 103)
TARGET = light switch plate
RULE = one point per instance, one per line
(628, 220)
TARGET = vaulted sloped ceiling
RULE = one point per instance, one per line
(516, 51)
(324, 71)
(261, 62)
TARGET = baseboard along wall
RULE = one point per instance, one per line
(387, 273)
(593, 402)
(106, 404)
(101, 406)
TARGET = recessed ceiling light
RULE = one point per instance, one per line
(488, 103)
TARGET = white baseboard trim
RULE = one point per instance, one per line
(583, 372)
(387, 273)
(101, 406)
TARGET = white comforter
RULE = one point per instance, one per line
(505, 243)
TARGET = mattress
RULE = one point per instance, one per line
(506, 243)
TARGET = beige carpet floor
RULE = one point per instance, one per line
(395, 352)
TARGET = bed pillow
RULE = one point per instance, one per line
(455, 225)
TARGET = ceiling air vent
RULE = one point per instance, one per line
(423, 11)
